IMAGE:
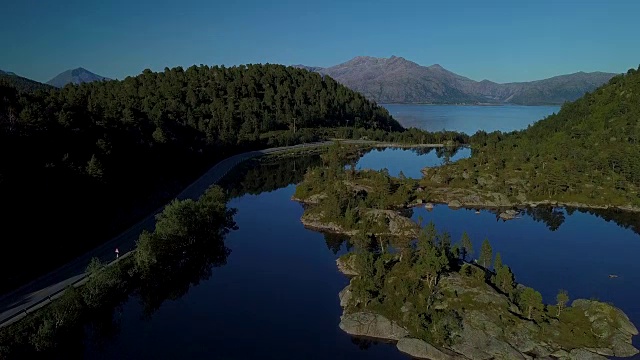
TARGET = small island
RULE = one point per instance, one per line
(414, 286)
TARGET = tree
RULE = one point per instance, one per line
(504, 279)
(529, 301)
(497, 263)
(486, 254)
(466, 247)
(561, 300)
(430, 265)
(94, 168)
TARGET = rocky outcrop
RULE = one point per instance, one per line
(455, 204)
(371, 325)
(508, 214)
(396, 224)
(315, 222)
(345, 296)
(423, 350)
(311, 200)
(609, 322)
(346, 265)
(484, 335)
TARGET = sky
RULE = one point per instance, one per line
(502, 41)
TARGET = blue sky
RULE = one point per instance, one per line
(501, 41)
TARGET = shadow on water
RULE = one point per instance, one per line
(554, 217)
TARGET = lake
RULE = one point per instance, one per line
(277, 295)
(469, 119)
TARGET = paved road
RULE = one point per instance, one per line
(18, 303)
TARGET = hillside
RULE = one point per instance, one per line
(397, 80)
(587, 154)
(20, 83)
(113, 151)
(75, 76)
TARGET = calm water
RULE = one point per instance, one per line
(277, 295)
(410, 162)
(469, 119)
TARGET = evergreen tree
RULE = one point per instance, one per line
(466, 246)
(485, 254)
(561, 300)
(497, 263)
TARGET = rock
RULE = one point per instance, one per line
(398, 225)
(314, 221)
(406, 307)
(582, 354)
(454, 204)
(601, 351)
(596, 309)
(500, 199)
(482, 181)
(479, 345)
(428, 206)
(465, 175)
(346, 265)
(372, 325)
(621, 345)
(345, 296)
(560, 354)
(508, 214)
(423, 350)
(609, 322)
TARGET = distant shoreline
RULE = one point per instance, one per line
(480, 104)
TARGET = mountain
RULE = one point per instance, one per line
(398, 80)
(20, 83)
(75, 76)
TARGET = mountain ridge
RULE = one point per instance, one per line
(21, 84)
(75, 76)
(398, 80)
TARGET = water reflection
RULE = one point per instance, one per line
(295, 260)
(410, 161)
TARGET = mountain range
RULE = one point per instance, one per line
(398, 80)
(75, 76)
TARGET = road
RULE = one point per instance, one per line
(32, 296)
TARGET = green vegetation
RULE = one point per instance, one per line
(432, 288)
(349, 201)
(186, 244)
(112, 152)
(586, 154)
(429, 290)
(22, 84)
(387, 282)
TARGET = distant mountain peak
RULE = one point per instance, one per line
(398, 80)
(75, 76)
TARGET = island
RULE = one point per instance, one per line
(415, 286)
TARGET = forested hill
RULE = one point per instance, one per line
(587, 153)
(82, 163)
(21, 84)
